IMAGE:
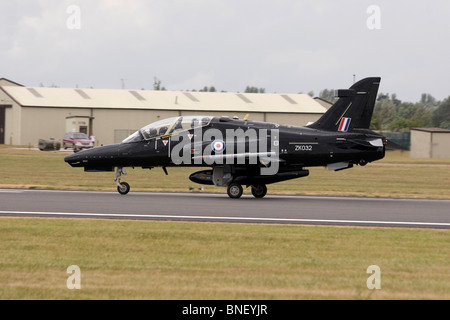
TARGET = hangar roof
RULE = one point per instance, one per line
(7, 82)
(432, 130)
(166, 100)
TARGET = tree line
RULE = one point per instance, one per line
(395, 115)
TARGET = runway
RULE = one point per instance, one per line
(308, 210)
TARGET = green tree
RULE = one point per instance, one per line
(383, 96)
(395, 100)
(249, 89)
(428, 100)
(392, 114)
(441, 115)
(157, 85)
(206, 89)
(383, 114)
(328, 94)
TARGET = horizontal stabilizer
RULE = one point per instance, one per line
(339, 166)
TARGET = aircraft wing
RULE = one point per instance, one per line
(263, 157)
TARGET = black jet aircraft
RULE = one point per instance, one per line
(239, 152)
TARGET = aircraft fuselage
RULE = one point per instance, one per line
(297, 146)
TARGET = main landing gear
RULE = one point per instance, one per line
(235, 190)
(259, 190)
(122, 187)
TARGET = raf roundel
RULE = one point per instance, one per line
(218, 146)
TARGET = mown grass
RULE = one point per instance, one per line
(176, 260)
(395, 176)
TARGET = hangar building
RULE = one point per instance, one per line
(28, 114)
(430, 143)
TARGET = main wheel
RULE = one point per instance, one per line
(124, 188)
(235, 191)
(259, 190)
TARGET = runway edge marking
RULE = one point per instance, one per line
(116, 215)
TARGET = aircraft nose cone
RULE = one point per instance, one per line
(76, 157)
(71, 158)
(93, 156)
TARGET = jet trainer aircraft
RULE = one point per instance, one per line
(247, 153)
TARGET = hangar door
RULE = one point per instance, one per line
(2, 124)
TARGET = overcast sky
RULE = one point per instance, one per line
(284, 46)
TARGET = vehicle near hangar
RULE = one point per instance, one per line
(49, 144)
(240, 152)
(77, 141)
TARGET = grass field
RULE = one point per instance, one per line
(176, 260)
(180, 260)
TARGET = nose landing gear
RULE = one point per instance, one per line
(122, 187)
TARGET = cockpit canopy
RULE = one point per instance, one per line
(167, 127)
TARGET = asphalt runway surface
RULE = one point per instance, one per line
(275, 209)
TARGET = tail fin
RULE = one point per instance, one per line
(354, 108)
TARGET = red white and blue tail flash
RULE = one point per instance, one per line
(345, 124)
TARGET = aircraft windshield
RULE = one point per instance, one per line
(168, 126)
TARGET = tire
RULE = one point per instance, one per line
(124, 188)
(235, 191)
(259, 190)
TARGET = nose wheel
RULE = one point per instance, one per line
(122, 187)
